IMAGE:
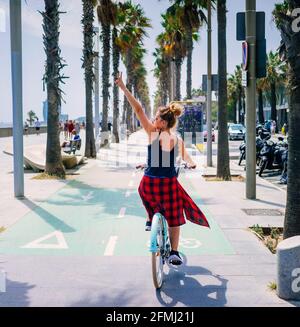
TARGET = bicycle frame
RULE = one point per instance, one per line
(157, 220)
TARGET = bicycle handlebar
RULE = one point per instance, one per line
(183, 165)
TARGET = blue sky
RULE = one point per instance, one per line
(71, 45)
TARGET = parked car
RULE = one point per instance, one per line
(213, 137)
(236, 132)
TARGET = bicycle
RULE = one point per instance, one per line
(160, 246)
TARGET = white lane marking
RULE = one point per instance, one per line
(133, 174)
(122, 212)
(110, 247)
(181, 282)
(37, 244)
(130, 184)
(127, 195)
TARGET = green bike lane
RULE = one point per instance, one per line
(85, 220)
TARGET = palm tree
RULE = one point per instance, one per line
(132, 31)
(289, 51)
(107, 13)
(52, 79)
(191, 17)
(237, 78)
(223, 167)
(88, 65)
(275, 76)
(31, 117)
(173, 41)
(232, 96)
(116, 54)
(161, 72)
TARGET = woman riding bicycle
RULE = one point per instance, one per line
(159, 189)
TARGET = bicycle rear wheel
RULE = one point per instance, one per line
(157, 249)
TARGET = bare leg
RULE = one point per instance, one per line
(174, 237)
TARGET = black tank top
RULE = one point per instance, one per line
(161, 163)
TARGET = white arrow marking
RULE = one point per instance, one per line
(122, 212)
(110, 247)
(37, 244)
(85, 198)
(127, 195)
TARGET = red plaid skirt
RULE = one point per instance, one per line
(167, 196)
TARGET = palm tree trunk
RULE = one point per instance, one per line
(178, 63)
(260, 107)
(88, 63)
(292, 214)
(52, 78)
(189, 65)
(223, 167)
(116, 60)
(129, 87)
(273, 103)
(105, 74)
(290, 47)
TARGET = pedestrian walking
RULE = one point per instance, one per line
(26, 127)
(37, 126)
(70, 129)
(66, 129)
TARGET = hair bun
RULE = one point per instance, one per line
(176, 109)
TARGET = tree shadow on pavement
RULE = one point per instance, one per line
(48, 217)
(16, 294)
(181, 288)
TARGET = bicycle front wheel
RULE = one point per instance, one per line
(157, 248)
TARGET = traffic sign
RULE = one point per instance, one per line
(245, 55)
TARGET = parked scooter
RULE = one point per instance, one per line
(263, 134)
(272, 155)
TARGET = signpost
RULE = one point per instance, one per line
(17, 95)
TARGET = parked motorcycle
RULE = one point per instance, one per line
(262, 135)
(273, 155)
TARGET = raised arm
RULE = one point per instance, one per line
(136, 106)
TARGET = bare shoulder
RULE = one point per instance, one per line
(152, 134)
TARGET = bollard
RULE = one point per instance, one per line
(288, 269)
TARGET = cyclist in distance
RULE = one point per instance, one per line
(159, 188)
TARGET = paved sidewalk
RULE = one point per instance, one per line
(81, 242)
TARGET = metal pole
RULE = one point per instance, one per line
(16, 71)
(251, 101)
(209, 100)
(97, 119)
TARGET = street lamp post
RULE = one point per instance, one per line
(16, 71)
(251, 101)
(209, 88)
(96, 49)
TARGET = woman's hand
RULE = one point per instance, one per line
(191, 166)
(119, 82)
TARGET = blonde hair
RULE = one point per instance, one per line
(170, 113)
